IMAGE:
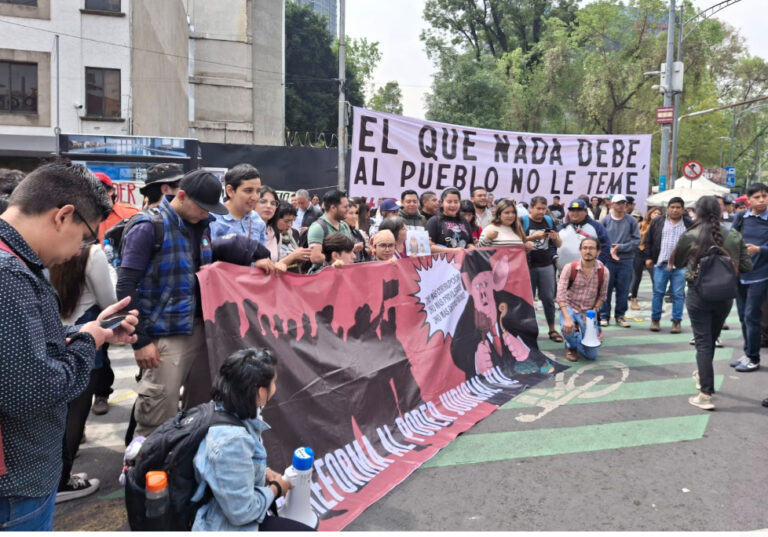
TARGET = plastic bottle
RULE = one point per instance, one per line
(297, 506)
(109, 251)
(156, 499)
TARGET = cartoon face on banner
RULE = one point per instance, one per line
(364, 374)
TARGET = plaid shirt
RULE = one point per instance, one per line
(670, 234)
(584, 293)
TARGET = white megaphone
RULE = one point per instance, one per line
(297, 505)
(590, 338)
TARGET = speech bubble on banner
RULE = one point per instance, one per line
(441, 295)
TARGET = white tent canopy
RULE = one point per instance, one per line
(690, 191)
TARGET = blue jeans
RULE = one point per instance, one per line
(573, 340)
(676, 280)
(18, 513)
(620, 279)
(749, 301)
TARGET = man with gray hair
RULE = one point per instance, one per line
(306, 213)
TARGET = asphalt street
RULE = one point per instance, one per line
(610, 445)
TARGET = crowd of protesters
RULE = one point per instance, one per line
(57, 288)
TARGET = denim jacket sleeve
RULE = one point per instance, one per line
(233, 464)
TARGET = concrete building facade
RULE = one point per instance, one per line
(171, 68)
(327, 8)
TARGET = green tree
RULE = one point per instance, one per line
(311, 74)
(388, 98)
(362, 57)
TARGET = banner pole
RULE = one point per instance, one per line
(342, 137)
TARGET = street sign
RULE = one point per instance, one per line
(693, 169)
(730, 176)
(665, 115)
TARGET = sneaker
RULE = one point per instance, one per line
(748, 366)
(718, 343)
(571, 355)
(695, 376)
(693, 341)
(740, 360)
(633, 304)
(702, 401)
(765, 402)
(676, 329)
(100, 405)
(621, 321)
(655, 326)
(603, 322)
(77, 487)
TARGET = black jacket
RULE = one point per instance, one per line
(311, 215)
(653, 236)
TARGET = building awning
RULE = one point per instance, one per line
(20, 145)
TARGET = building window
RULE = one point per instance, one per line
(20, 2)
(103, 5)
(102, 92)
(18, 88)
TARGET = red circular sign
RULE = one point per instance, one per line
(693, 169)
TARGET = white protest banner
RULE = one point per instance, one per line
(394, 153)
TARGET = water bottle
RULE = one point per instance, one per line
(297, 506)
(156, 499)
(109, 251)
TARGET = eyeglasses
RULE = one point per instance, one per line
(388, 246)
(266, 201)
(87, 243)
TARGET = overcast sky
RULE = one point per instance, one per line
(396, 25)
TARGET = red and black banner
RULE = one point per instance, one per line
(380, 365)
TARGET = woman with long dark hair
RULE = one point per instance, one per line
(284, 240)
(707, 235)
(468, 212)
(505, 228)
(448, 230)
(85, 288)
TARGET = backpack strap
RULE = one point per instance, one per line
(526, 223)
(159, 225)
(549, 221)
(572, 276)
(5, 248)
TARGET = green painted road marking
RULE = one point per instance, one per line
(625, 392)
(481, 448)
(639, 339)
(650, 359)
(119, 493)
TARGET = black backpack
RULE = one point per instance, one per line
(716, 278)
(303, 242)
(116, 233)
(172, 448)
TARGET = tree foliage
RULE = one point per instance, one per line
(547, 66)
(311, 74)
(388, 98)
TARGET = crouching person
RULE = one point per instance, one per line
(232, 460)
(583, 286)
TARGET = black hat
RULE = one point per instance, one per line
(166, 172)
(204, 188)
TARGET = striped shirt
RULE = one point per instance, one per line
(584, 293)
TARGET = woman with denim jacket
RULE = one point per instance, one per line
(232, 460)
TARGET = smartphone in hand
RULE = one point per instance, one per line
(112, 323)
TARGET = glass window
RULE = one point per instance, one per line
(102, 92)
(18, 88)
(103, 5)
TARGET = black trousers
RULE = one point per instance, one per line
(638, 265)
(77, 414)
(273, 523)
(105, 377)
(707, 319)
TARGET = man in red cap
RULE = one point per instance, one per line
(118, 211)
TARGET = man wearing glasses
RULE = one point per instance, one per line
(43, 364)
(583, 286)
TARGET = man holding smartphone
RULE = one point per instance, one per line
(53, 214)
(539, 229)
